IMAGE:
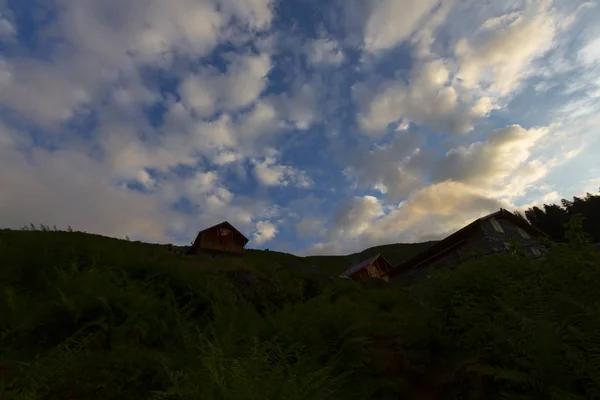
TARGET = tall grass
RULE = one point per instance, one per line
(87, 317)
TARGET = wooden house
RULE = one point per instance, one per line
(374, 267)
(491, 234)
(222, 237)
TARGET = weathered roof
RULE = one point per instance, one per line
(447, 243)
(355, 268)
(223, 224)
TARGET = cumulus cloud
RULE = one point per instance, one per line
(108, 40)
(355, 215)
(224, 139)
(324, 52)
(258, 14)
(590, 53)
(428, 99)
(394, 169)
(146, 119)
(7, 29)
(310, 227)
(265, 231)
(390, 22)
(210, 91)
(300, 109)
(429, 213)
(270, 173)
(506, 45)
(469, 181)
(68, 188)
(453, 91)
(488, 163)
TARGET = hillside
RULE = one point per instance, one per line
(328, 264)
(395, 253)
(88, 317)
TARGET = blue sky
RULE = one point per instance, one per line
(314, 127)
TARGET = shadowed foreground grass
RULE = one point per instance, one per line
(88, 317)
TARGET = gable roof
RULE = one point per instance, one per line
(221, 225)
(361, 265)
(452, 240)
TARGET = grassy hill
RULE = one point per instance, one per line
(395, 254)
(88, 317)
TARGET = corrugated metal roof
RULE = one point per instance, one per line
(355, 268)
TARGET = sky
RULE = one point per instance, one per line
(314, 127)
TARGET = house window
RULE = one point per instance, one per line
(372, 271)
(496, 225)
(224, 232)
(524, 234)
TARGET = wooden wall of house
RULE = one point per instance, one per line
(210, 240)
(378, 265)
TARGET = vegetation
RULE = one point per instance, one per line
(551, 218)
(88, 317)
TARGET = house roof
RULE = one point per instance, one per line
(363, 264)
(448, 243)
(224, 224)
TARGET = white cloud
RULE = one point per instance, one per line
(265, 231)
(106, 42)
(225, 157)
(145, 179)
(324, 52)
(394, 169)
(505, 47)
(261, 121)
(300, 109)
(40, 90)
(7, 29)
(202, 183)
(590, 53)
(310, 227)
(354, 216)
(68, 188)
(428, 99)
(425, 37)
(390, 22)
(125, 155)
(429, 213)
(270, 173)
(90, 92)
(210, 91)
(225, 139)
(592, 185)
(257, 13)
(487, 164)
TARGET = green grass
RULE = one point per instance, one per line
(88, 317)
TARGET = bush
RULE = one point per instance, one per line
(90, 317)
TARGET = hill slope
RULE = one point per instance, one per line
(336, 264)
(395, 254)
(88, 317)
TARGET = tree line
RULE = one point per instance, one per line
(552, 218)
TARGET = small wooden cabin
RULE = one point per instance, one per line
(222, 237)
(490, 234)
(374, 267)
